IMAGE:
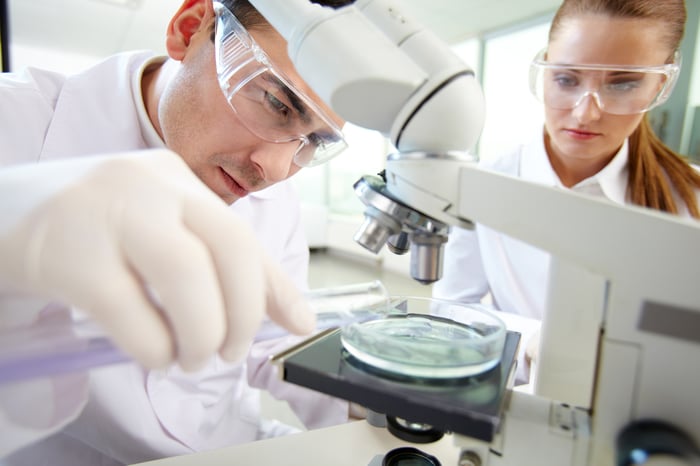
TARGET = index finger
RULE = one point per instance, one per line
(251, 284)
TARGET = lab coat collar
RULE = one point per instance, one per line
(611, 181)
(148, 131)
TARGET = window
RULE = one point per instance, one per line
(4, 38)
(512, 113)
(332, 184)
(468, 51)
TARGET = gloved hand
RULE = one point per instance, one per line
(138, 242)
(532, 349)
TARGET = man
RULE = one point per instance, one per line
(136, 101)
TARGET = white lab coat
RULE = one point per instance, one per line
(124, 414)
(484, 262)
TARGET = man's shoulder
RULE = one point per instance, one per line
(32, 82)
(131, 60)
(27, 107)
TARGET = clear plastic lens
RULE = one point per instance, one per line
(265, 101)
(620, 90)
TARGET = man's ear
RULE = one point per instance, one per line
(192, 17)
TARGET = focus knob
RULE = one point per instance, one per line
(657, 443)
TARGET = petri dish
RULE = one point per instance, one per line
(428, 339)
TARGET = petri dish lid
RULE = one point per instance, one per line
(428, 339)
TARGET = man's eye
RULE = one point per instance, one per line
(321, 140)
(277, 106)
(316, 140)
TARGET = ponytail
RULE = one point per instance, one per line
(655, 171)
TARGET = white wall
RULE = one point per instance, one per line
(513, 115)
(62, 61)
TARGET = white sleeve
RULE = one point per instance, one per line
(465, 281)
(295, 260)
(314, 409)
(464, 278)
(34, 409)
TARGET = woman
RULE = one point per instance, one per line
(606, 64)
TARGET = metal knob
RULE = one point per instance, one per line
(652, 442)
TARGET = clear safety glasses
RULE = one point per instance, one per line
(617, 89)
(265, 101)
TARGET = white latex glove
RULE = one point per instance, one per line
(532, 349)
(138, 242)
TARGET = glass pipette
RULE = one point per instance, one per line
(53, 348)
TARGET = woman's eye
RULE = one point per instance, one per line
(565, 80)
(624, 86)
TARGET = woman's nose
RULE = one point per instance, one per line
(275, 159)
(588, 108)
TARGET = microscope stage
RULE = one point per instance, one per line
(470, 406)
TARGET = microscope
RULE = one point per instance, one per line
(379, 69)
(614, 381)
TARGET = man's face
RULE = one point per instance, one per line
(197, 122)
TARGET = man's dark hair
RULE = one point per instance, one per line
(250, 18)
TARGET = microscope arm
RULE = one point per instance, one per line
(380, 70)
(637, 334)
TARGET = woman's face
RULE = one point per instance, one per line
(586, 134)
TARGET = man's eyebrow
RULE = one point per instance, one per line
(294, 99)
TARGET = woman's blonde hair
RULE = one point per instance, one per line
(654, 168)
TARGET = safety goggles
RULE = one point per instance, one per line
(265, 101)
(617, 89)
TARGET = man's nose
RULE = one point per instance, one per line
(275, 159)
(588, 107)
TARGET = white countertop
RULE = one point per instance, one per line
(353, 444)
